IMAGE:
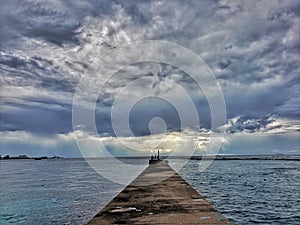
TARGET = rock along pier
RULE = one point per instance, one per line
(167, 201)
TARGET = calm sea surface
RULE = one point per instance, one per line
(69, 192)
(250, 192)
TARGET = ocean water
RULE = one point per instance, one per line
(250, 191)
(51, 191)
(68, 191)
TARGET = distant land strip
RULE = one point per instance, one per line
(292, 157)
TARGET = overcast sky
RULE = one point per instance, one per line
(251, 47)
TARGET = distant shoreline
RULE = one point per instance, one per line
(8, 157)
(288, 157)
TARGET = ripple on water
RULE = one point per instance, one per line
(249, 192)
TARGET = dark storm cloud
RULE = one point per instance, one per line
(251, 47)
(60, 22)
(142, 113)
(56, 22)
(34, 71)
(44, 22)
(139, 118)
(250, 124)
(38, 120)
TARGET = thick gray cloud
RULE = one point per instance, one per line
(251, 47)
(251, 125)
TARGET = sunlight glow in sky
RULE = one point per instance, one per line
(252, 48)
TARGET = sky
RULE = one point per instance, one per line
(252, 48)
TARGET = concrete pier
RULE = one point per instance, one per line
(170, 201)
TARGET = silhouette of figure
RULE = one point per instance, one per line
(151, 157)
(154, 156)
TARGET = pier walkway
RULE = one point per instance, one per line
(170, 201)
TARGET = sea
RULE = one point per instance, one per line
(69, 191)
